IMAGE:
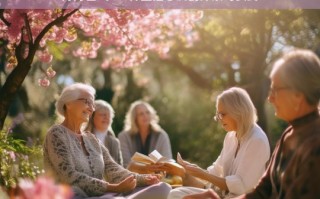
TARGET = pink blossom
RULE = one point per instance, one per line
(43, 188)
(87, 49)
(71, 35)
(12, 155)
(95, 45)
(150, 30)
(11, 63)
(16, 20)
(45, 56)
(142, 12)
(50, 72)
(44, 82)
(105, 64)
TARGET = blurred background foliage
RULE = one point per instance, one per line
(234, 48)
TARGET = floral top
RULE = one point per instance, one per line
(293, 172)
(86, 171)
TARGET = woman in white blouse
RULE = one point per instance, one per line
(244, 155)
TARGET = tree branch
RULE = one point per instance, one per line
(20, 48)
(58, 20)
(4, 19)
(195, 77)
(17, 76)
(28, 29)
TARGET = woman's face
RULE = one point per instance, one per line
(282, 98)
(101, 119)
(81, 109)
(226, 121)
(143, 116)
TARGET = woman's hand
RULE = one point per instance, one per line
(181, 161)
(191, 169)
(126, 185)
(195, 170)
(207, 194)
(152, 179)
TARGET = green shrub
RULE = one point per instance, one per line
(17, 160)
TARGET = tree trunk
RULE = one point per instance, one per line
(11, 87)
(106, 92)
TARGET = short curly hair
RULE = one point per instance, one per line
(70, 93)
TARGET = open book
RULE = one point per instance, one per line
(155, 157)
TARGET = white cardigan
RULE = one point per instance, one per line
(243, 171)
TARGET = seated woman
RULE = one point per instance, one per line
(100, 125)
(77, 158)
(244, 155)
(143, 134)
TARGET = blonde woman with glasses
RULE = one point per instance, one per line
(244, 155)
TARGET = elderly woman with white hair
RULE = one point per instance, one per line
(244, 155)
(100, 125)
(143, 134)
(75, 157)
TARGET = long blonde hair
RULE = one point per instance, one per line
(130, 123)
(240, 107)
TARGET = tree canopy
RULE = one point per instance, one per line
(26, 34)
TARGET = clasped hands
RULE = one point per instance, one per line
(130, 182)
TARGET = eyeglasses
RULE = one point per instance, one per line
(219, 116)
(87, 102)
(273, 91)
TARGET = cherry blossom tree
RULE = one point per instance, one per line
(125, 36)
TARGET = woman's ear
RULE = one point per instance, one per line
(299, 100)
(67, 105)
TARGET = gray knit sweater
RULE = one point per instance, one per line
(65, 159)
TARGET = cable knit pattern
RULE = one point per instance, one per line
(65, 158)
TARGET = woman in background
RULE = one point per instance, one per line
(143, 134)
(100, 125)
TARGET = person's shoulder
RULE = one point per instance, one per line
(312, 142)
(124, 132)
(258, 136)
(114, 139)
(161, 131)
(309, 149)
(258, 133)
(55, 129)
(90, 135)
(230, 135)
(124, 135)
